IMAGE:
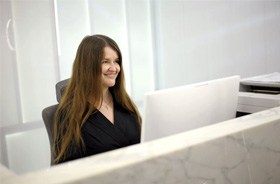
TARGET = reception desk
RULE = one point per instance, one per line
(244, 150)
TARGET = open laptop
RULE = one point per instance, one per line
(183, 108)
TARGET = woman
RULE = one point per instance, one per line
(95, 113)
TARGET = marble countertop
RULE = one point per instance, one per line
(104, 164)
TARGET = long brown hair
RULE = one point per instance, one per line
(74, 108)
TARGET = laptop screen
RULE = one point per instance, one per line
(183, 108)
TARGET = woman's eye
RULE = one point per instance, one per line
(104, 61)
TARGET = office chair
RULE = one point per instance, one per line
(49, 112)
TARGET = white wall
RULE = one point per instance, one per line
(72, 25)
(139, 29)
(202, 40)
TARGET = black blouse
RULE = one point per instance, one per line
(100, 135)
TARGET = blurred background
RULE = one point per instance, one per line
(165, 43)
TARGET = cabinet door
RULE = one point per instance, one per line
(36, 56)
(10, 109)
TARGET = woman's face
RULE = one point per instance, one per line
(110, 67)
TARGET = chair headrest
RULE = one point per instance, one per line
(60, 87)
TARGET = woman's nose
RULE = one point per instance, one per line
(112, 67)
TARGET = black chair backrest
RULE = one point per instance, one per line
(48, 118)
(49, 112)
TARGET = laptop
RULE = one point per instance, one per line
(175, 110)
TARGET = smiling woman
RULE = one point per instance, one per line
(95, 114)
